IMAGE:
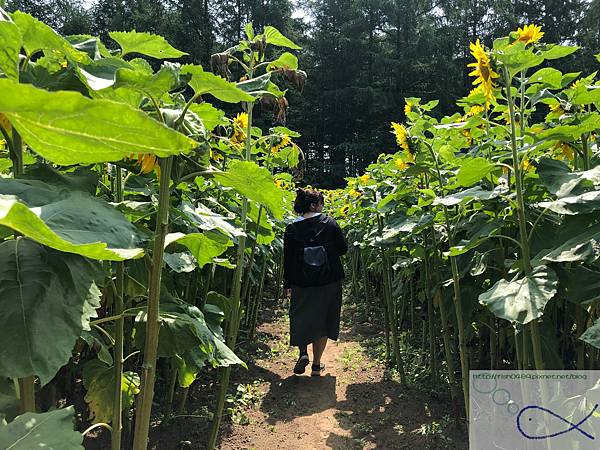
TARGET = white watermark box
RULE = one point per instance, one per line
(534, 410)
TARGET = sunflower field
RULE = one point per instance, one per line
(142, 210)
(481, 233)
(131, 204)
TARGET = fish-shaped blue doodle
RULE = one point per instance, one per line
(572, 426)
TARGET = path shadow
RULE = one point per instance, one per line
(298, 396)
(391, 416)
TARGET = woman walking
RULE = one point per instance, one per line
(313, 274)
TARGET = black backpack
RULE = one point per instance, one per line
(315, 264)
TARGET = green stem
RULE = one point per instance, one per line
(27, 394)
(391, 310)
(234, 322)
(117, 418)
(462, 344)
(144, 409)
(246, 283)
(525, 256)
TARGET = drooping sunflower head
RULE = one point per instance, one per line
(482, 71)
(5, 123)
(401, 135)
(147, 162)
(408, 107)
(529, 34)
(564, 150)
(283, 143)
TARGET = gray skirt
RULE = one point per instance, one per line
(315, 313)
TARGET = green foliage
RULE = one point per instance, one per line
(52, 430)
(38, 284)
(523, 300)
(72, 222)
(98, 380)
(145, 44)
(68, 128)
(255, 183)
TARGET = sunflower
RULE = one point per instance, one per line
(408, 107)
(556, 110)
(474, 110)
(284, 142)
(527, 166)
(529, 34)
(467, 134)
(146, 161)
(576, 84)
(483, 71)
(240, 124)
(364, 179)
(401, 165)
(565, 150)
(401, 135)
(279, 183)
(354, 193)
(5, 123)
(344, 209)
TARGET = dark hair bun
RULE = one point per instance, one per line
(305, 198)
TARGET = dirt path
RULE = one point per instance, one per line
(352, 406)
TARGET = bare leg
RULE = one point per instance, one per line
(318, 349)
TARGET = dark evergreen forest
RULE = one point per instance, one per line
(363, 57)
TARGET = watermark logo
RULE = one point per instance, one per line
(531, 410)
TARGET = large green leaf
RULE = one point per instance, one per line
(101, 74)
(473, 170)
(47, 298)
(211, 117)
(522, 300)
(569, 133)
(548, 76)
(284, 61)
(153, 85)
(577, 204)
(186, 336)
(72, 222)
(206, 219)
(556, 51)
(208, 83)
(49, 431)
(466, 195)
(401, 227)
(592, 335)
(182, 262)
(274, 37)
(557, 177)
(582, 245)
(480, 229)
(10, 46)
(145, 44)
(205, 247)
(37, 36)
(68, 128)
(255, 183)
(99, 382)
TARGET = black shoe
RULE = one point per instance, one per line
(317, 370)
(301, 364)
